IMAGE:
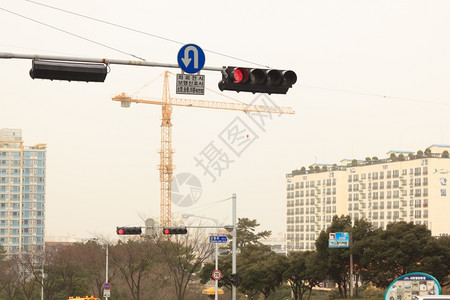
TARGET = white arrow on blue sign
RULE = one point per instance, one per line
(191, 58)
(218, 239)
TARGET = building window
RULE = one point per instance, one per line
(417, 171)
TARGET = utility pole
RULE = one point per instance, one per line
(233, 260)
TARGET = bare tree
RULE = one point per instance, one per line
(134, 262)
(9, 280)
(184, 256)
(27, 280)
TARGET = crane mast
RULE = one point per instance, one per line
(166, 156)
(166, 152)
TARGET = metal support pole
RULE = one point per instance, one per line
(106, 271)
(108, 61)
(42, 284)
(351, 265)
(233, 262)
(216, 284)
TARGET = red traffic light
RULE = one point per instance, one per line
(239, 75)
(128, 230)
(269, 81)
(174, 230)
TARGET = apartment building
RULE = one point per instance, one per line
(22, 193)
(406, 186)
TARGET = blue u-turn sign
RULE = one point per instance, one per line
(191, 58)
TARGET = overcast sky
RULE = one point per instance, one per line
(373, 76)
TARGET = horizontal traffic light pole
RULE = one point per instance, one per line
(126, 230)
(97, 60)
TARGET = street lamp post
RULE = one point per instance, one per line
(216, 284)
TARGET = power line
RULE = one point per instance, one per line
(375, 95)
(70, 33)
(143, 32)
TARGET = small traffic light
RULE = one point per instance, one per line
(128, 230)
(234, 279)
(269, 81)
(174, 230)
(61, 70)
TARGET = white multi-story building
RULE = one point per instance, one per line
(22, 193)
(403, 187)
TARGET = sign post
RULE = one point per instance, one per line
(191, 58)
(213, 238)
(191, 84)
(216, 274)
(342, 240)
(106, 290)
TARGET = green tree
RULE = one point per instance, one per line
(436, 261)
(337, 259)
(361, 231)
(303, 271)
(398, 250)
(260, 270)
(245, 229)
(420, 154)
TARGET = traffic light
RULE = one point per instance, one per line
(61, 70)
(269, 81)
(234, 279)
(174, 230)
(128, 230)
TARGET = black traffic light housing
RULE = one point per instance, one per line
(269, 81)
(128, 230)
(174, 230)
(234, 279)
(61, 70)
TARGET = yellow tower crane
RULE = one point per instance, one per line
(166, 153)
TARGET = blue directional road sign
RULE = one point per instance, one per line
(191, 58)
(338, 240)
(218, 239)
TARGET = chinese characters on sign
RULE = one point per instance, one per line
(236, 137)
(190, 84)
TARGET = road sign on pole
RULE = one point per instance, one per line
(218, 239)
(216, 274)
(191, 58)
(107, 286)
(191, 84)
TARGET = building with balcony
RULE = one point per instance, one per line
(403, 187)
(22, 193)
